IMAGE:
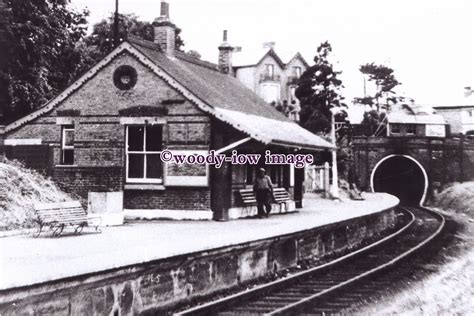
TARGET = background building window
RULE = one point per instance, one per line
(143, 148)
(411, 129)
(395, 128)
(269, 71)
(67, 145)
(297, 72)
(292, 93)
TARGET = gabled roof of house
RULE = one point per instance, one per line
(271, 52)
(300, 57)
(232, 102)
(218, 94)
(242, 59)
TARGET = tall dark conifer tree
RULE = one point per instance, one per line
(319, 90)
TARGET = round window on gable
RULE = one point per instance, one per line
(125, 77)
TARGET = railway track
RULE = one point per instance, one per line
(338, 285)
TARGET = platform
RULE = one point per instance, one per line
(26, 261)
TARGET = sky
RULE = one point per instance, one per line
(428, 43)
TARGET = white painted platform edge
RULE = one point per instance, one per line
(131, 214)
(111, 219)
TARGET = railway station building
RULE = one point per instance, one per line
(101, 138)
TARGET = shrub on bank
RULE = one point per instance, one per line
(20, 188)
(457, 198)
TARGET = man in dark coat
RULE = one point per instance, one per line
(263, 190)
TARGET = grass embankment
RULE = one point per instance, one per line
(20, 188)
(448, 291)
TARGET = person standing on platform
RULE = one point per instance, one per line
(263, 190)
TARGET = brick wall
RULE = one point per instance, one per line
(99, 137)
(176, 198)
(81, 180)
(37, 157)
(445, 160)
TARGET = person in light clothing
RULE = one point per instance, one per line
(263, 190)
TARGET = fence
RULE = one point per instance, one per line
(317, 179)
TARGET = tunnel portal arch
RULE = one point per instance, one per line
(418, 174)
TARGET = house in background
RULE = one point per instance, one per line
(402, 120)
(400, 124)
(460, 115)
(103, 135)
(267, 74)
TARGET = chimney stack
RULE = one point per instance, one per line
(164, 30)
(225, 55)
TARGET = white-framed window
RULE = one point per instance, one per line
(67, 145)
(269, 70)
(292, 93)
(297, 72)
(411, 129)
(143, 148)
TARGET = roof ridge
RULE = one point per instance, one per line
(298, 55)
(271, 52)
(194, 60)
(143, 42)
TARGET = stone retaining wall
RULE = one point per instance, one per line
(154, 286)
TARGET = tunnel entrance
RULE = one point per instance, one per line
(401, 176)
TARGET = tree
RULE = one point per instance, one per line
(319, 90)
(102, 37)
(385, 82)
(194, 54)
(374, 121)
(44, 55)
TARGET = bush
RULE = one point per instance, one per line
(20, 189)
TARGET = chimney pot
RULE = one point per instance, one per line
(225, 56)
(165, 9)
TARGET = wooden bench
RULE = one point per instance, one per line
(61, 214)
(280, 196)
(247, 196)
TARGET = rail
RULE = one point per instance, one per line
(288, 295)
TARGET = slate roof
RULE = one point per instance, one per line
(218, 94)
(403, 118)
(230, 99)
